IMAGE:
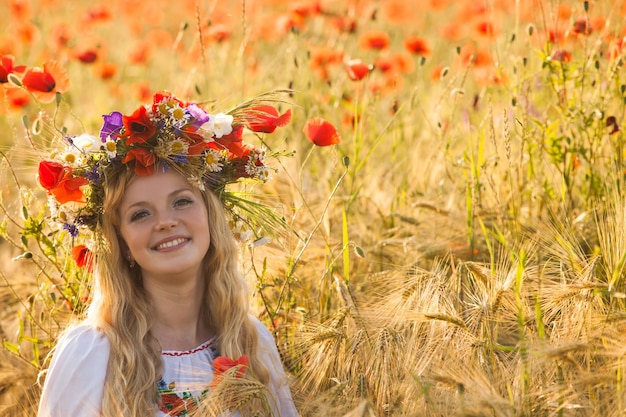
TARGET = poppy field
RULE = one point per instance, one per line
(444, 230)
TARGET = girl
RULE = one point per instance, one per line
(169, 314)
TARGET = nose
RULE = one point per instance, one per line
(166, 221)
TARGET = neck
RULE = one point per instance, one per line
(177, 322)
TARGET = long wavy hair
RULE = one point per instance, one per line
(122, 310)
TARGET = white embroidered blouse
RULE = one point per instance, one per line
(75, 380)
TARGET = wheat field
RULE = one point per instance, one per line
(461, 250)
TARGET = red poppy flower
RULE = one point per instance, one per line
(322, 58)
(384, 64)
(87, 56)
(470, 55)
(98, 13)
(45, 83)
(144, 161)
(321, 132)
(171, 404)
(21, 10)
(6, 68)
(374, 39)
(288, 22)
(344, 24)
(60, 182)
(416, 45)
(160, 96)
(17, 97)
(233, 142)
(562, 56)
(51, 173)
(82, 256)
(581, 27)
(307, 8)
(218, 33)
(195, 141)
(139, 127)
(223, 363)
(141, 52)
(357, 69)
(266, 119)
(485, 28)
(106, 70)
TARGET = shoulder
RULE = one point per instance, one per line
(75, 378)
(83, 336)
(81, 344)
(265, 336)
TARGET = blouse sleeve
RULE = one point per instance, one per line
(74, 383)
(279, 385)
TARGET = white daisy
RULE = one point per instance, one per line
(251, 168)
(177, 147)
(72, 156)
(110, 146)
(264, 173)
(213, 160)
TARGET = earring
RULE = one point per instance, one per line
(131, 261)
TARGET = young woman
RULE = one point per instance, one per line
(168, 297)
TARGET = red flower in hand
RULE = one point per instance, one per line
(144, 161)
(82, 256)
(321, 132)
(266, 119)
(60, 182)
(139, 127)
(223, 364)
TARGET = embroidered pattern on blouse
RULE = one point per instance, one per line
(189, 352)
(177, 404)
(180, 404)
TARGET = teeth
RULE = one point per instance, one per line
(170, 244)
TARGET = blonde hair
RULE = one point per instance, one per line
(121, 308)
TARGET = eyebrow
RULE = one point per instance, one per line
(170, 195)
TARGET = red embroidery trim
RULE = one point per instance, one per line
(188, 352)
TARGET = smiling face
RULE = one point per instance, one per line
(163, 222)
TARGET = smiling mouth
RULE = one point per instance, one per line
(171, 244)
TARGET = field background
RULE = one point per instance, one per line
(459, 253)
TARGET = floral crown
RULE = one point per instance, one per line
(210, 148)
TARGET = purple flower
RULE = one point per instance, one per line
(93, 175)
(200, 116)
(180, 159)
(112, 125)
(71, 228)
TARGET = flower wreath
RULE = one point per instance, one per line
(181, 134)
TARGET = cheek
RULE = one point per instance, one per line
(132, 236)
